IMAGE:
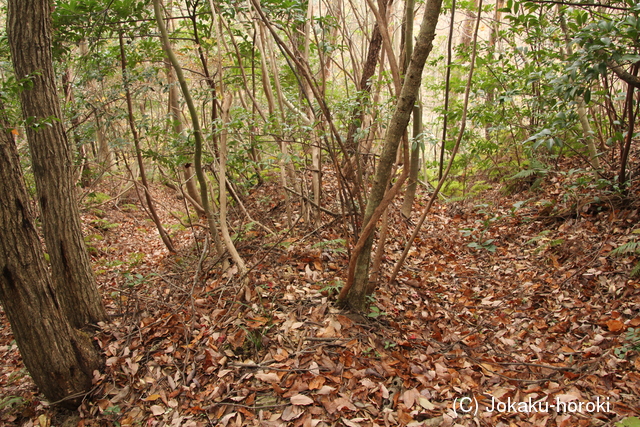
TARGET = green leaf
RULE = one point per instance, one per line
(627, 248)
(629, 422)
(10, 401)
(630, 58)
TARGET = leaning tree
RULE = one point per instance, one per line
(29, 32)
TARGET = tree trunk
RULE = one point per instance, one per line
(29, 31)
(222, 179)
(414, 164)
(381, 20)
(356, 121)
(355, 291)
(197, 130)
(176, 124)
(166, 239)
(105, 155)
(83, 170)
(175, 118)
(266, 51)
(60, 359)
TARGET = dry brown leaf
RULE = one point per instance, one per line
(349, 423)
(409, 397)
(316, 382)
(157, 410)
(324, 390)
(292, 412)
(270, 377)
(237, 339)
(301, 399)
(615, 325)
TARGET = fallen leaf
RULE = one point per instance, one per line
(409, 397)
(324, 390)
(157, 410)
(270, 377)
(615, 325)
(425, 403)
(291, 413)
(349, 423)
(301, 399)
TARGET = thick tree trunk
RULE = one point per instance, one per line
(355, 291)
(60, 359)
(29, 31)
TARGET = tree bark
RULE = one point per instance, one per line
(178, 130)
(383, 26)
(355, 291)
(29, 32)
(60, 359)
(222, 178)
(414, 164)
(356, 121)
(197, 130)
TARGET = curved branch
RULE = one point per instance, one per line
(624, 74)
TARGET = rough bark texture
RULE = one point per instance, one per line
(368, 70)
(29, 31)
(59, 358)
(356, 294)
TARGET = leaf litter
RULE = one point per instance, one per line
(534, 313)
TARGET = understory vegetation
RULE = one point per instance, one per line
(226, 157)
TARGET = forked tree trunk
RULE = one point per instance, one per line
(355, 290)
(60, 359)
(29, 31)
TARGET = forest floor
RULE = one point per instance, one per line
(510, 311)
